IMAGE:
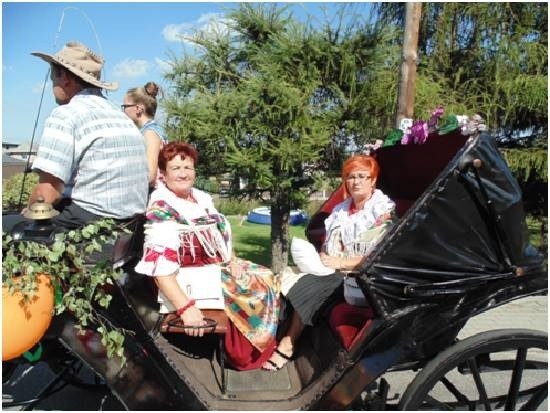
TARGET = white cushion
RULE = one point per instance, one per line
(307, 258)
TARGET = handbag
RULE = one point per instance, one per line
(203, 284)
(353, 293)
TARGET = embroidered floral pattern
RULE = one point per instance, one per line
(160, 211)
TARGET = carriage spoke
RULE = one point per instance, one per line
(460, 397)
(540, 395)
(515, 382)
(491, 370)
(472, 364)
(430, 401)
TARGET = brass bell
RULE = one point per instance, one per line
(40, 210)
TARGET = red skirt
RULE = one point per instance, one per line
(241, 354)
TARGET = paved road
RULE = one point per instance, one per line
(529, 312)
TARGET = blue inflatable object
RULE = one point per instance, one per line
(262, 215)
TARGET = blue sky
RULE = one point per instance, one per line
(135, 38)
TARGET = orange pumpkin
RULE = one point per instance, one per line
(23, 325)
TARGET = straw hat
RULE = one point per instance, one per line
(82, 62)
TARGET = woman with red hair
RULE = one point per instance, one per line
(353, 228)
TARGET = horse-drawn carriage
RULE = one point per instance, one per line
(460, 248)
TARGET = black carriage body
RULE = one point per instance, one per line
(460, 248)
(450, 256)
(464, 240)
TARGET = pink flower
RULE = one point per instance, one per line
(370, 148)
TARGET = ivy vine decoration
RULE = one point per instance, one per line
(79, 284)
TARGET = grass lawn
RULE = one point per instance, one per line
(253, 241)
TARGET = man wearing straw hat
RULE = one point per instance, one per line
(91, 160)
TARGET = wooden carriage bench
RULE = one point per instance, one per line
(217, 323)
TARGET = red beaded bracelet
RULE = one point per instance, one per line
(181, 310)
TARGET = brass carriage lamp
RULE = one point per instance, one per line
(38, 226)
(40, 211)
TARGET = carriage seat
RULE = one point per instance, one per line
(348, 321)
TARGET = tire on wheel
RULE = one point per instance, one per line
(500, 369)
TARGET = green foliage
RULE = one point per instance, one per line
(486, 58)
(11, 191)
(81, 284)
(235, 206)
(538, 233)
(280, 104)
(273, 101)
(530, 163)
(208, 185)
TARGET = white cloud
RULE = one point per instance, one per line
(207, 25)
(214, 27)
(163, 65)
(131, 68)
(176, 32)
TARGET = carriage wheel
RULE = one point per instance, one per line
(501, 369)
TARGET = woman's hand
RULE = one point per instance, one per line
(331, 261)
(193, 317)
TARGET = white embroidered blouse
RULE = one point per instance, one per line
(180, 232)
(355, 235)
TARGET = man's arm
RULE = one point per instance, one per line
(49, 188)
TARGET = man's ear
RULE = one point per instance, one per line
(67, 78)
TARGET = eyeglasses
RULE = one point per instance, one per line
(358, 177)
(123, 107)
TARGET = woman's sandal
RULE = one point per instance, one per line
(277, 367)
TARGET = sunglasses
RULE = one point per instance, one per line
(123, 107)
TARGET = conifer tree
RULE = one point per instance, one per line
(275, 103)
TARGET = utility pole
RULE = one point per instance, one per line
(407, 84)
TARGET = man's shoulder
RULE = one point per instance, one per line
(93, 101)
(81, 105)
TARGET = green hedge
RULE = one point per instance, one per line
(11, 191)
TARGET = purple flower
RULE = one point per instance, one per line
(419, 131)
(406, 139)
(436, 114)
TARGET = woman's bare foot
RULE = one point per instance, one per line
(277, 360)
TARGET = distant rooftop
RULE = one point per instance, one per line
(7, 145)
(8, 160)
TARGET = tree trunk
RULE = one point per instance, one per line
(405, 102)
(280, 217)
